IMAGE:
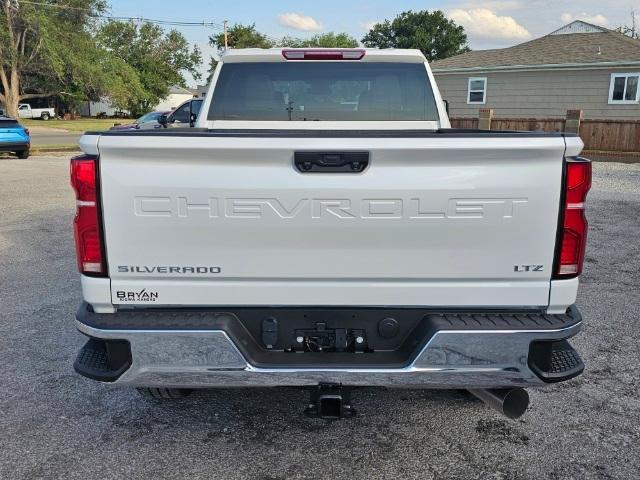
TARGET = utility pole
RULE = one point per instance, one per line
(633, 30)
(226, 36)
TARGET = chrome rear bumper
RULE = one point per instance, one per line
(450, 359)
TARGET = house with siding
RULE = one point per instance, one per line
(177, 95)
(579, 66)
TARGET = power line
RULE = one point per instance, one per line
(42, 4)
(176, 23)
(165, 22)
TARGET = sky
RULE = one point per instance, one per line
(488, 23)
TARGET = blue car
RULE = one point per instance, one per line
(14, 137)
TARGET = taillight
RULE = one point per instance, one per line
(573, 236)
(86, 224)
(322, 54)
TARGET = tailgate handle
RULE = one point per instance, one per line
(331, 162)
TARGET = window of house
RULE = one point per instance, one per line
(624, 88)
(477, 90)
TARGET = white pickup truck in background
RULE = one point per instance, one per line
(25, 111)
(323, 226)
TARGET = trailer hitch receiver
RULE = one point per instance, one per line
(330, 401)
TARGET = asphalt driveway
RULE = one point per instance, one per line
(55, 424)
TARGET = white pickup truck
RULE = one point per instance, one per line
(25, 111)
(323, 226)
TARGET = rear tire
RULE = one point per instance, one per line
(24, 154)
(45, 116)
(163, 393)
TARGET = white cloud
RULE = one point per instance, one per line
(298, 21)
(596, 19)
(484, 23)
(366, 26)
(494, 5)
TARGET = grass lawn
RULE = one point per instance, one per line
(80, 125)
(64, 147)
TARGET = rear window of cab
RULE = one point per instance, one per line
(329, 91)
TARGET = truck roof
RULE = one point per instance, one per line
(276, 54)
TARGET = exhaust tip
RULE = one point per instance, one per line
(511, 402)
(515, 403)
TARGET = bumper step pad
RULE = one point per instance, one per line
(499, 320)
(103, 360)
(555, 361)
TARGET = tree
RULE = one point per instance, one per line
(246, 36)
(324, 40)
(238, 36)
(94, 73)
(46, 50)
(241, 36)
(159, 59)
(631, 31)
(431, 32)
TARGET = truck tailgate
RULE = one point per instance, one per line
(439, 219)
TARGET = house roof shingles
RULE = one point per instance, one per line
(178, 90)
(574, 48)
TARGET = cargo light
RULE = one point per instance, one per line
(322, 54)
(86, 224)
(573, 236)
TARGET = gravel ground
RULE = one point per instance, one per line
(56, 424)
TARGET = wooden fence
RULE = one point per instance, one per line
(611, 135)
(605, 135)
